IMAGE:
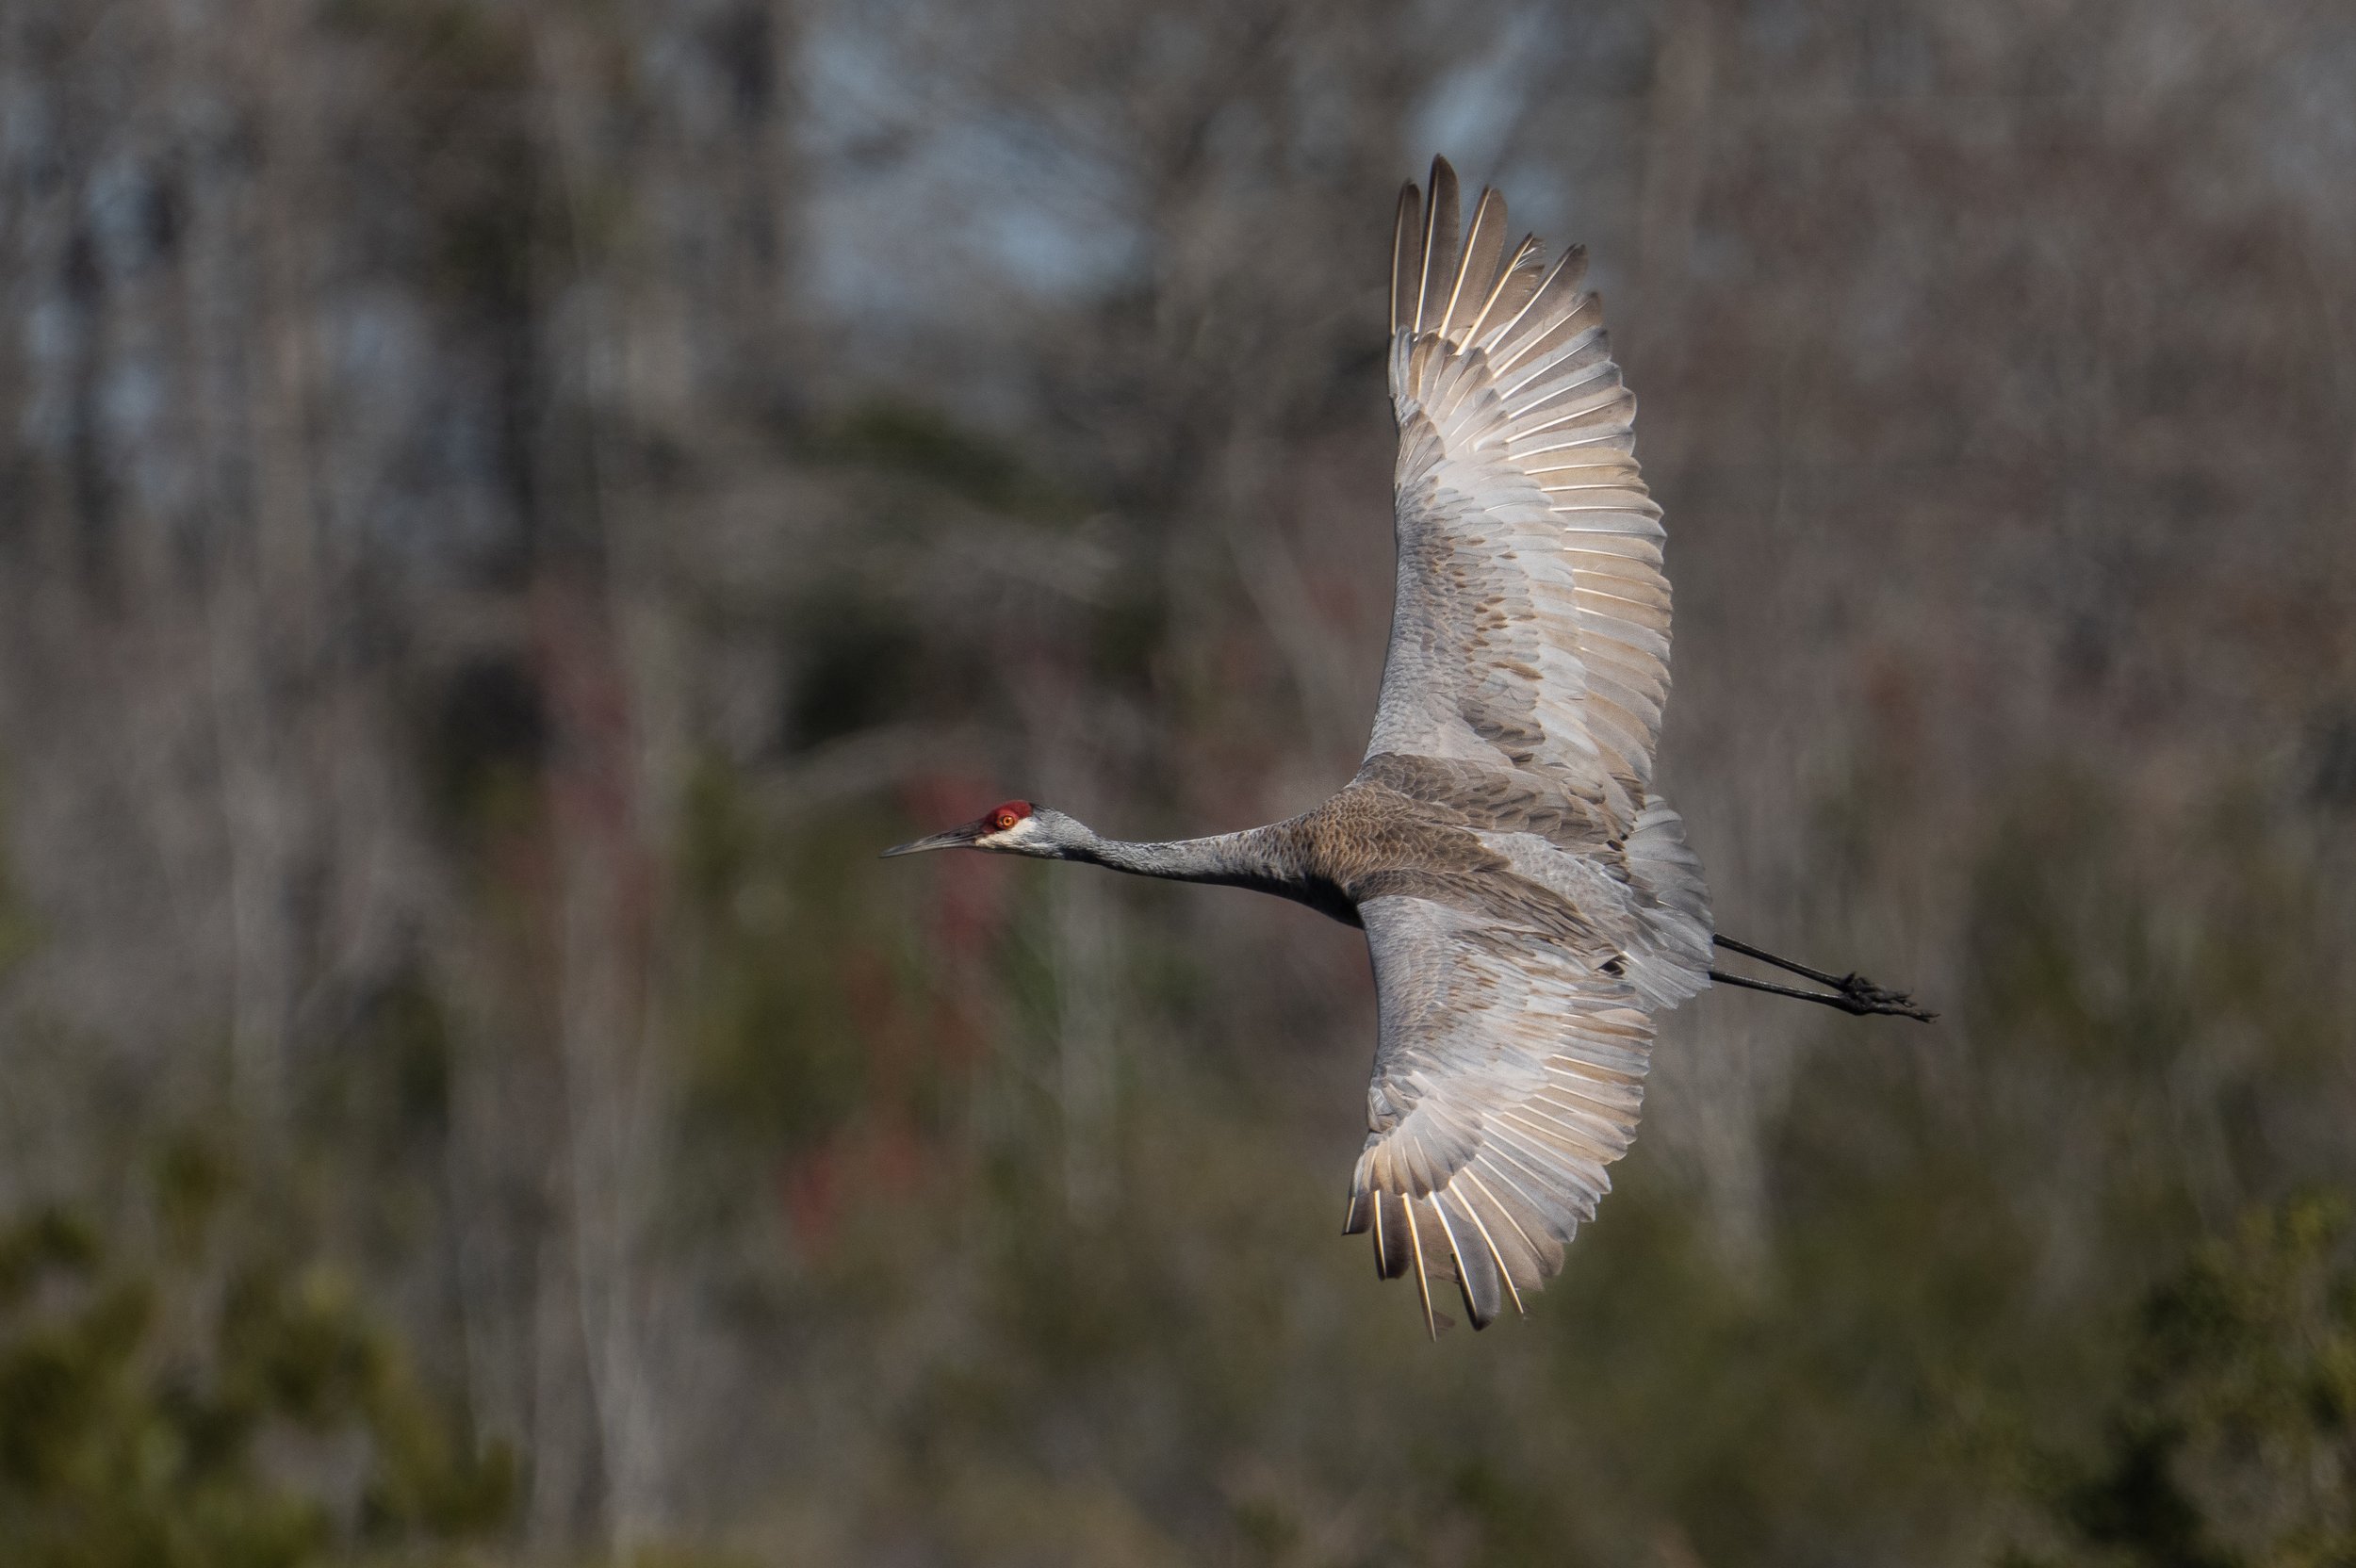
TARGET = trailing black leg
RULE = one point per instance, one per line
(1851, 993)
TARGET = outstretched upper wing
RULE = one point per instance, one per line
(1508, 1072)
(1531, 624)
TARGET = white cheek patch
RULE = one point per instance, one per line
(1023, 831)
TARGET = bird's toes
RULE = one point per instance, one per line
(1864, 996)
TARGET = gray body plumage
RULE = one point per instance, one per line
(1526, 893)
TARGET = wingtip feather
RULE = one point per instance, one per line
(1439, 243)
(1423, 1281)
(1484, 244)
(1406, 233)
(1474, 1275)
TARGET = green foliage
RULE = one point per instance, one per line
(219, 1404)
(798, 1027)
(776, 1038)
(2232, 1444)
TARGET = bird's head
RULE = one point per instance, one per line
(1017, 828)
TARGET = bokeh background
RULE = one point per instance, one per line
(506, 505)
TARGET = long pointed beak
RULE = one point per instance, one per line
(956, 838)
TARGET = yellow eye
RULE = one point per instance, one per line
(1004, 822)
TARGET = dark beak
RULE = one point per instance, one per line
(956, 838)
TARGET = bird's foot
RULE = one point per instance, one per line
(1860, 996)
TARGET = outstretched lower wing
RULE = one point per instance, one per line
(1508, 1074)
(1531, 624)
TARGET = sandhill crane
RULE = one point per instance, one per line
(1527, 894)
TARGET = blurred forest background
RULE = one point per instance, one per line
(507, 505)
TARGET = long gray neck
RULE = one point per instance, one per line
(1267, 860)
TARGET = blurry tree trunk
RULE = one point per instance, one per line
(607, 897)
(252, 309)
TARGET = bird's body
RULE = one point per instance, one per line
(1487, 841)
(1527, 894)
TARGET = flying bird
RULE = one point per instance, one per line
(1527, 891)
